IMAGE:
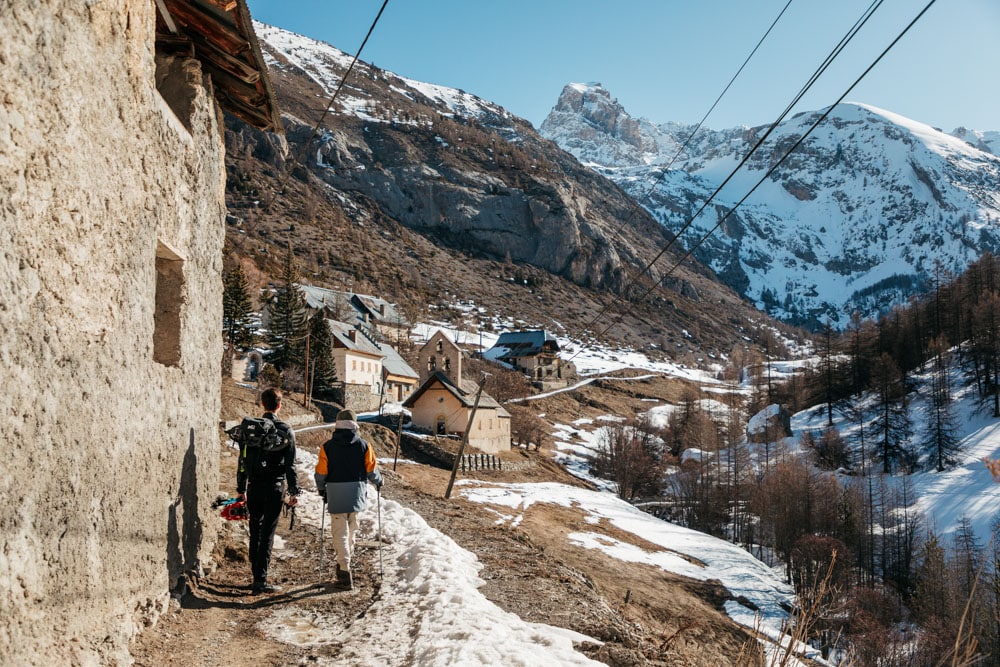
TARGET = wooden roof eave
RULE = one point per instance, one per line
(225, 42)
(265, 81)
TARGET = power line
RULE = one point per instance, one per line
(701, 122)
(770, 171)
(636, 201)
(343, 80)
(846, 39)
(298, 157)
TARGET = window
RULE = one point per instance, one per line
(440, 346)
(167, 309)
(354, 364)
(447, 364)
(440, 425)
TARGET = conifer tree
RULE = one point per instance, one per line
(933, 596)
(236, 308)
(942, 436)
(986, 344)
(892, 422)
(322, 368)
(287, 325)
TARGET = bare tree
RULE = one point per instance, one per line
(632, 456)
(526, 427)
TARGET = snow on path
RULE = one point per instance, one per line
(430, 611)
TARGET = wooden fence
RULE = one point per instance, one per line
(480, 462)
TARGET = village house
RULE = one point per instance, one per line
(444, 401)
(378, 318)
(536, 354)
(113, 219)
(383, 320)
(398, 379)
(359, 366)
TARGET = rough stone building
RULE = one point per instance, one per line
(536, 354)
(111, 232)
(443, 403)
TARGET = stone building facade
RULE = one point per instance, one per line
(111, 232)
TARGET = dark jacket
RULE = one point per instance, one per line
(260, 468)
(345, 463)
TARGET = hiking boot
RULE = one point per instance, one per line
(264, 587)
(344, 579)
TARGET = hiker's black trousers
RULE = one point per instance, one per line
(264, 506)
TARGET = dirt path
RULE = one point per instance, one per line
(528, 570)
(220, 623)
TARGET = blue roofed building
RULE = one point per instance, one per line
(536, 354)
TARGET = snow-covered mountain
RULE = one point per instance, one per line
(854, 219)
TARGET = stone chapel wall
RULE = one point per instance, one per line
(111, 232)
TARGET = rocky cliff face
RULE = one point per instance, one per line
(855, 219)
(461, 169)
(425, 179)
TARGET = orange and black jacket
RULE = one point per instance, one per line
(345, 463)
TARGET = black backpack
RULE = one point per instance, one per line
(257, 433)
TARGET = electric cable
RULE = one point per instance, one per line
(834, 53)
(772, 169)
(683, 147)
(340, 86)
(298, 157)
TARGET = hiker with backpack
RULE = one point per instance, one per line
(267, 461)
(346, 462)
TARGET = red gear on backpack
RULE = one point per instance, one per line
(236, 511)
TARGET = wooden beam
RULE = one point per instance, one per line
(234, 66)
(224, 5)
(194, 20)
(165, 15)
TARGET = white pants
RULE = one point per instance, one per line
(343, 528)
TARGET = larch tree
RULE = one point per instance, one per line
(942, 431)
(287, 324)
(236, 309)
(632, 456)
(891, 422)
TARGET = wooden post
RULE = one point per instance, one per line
(399, 432)
(465, 439)
(305, 383)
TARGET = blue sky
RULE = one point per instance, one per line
(669, 59)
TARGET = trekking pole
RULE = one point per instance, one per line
(381, 571)
(322, 542)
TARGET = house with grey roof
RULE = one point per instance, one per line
(381, 320)
(358, 359)
(536, 354)
(398, 378)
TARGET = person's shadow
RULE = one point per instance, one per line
(183, 544)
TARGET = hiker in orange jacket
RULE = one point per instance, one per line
(345, 463)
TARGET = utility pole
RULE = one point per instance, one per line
(465, 438)
(399, 435)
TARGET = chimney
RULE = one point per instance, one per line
(353, 335)
(381, 309)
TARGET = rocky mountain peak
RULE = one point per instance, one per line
(596, 125)
(854, 219)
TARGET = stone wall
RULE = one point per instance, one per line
(111, 231)
(359, 397)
